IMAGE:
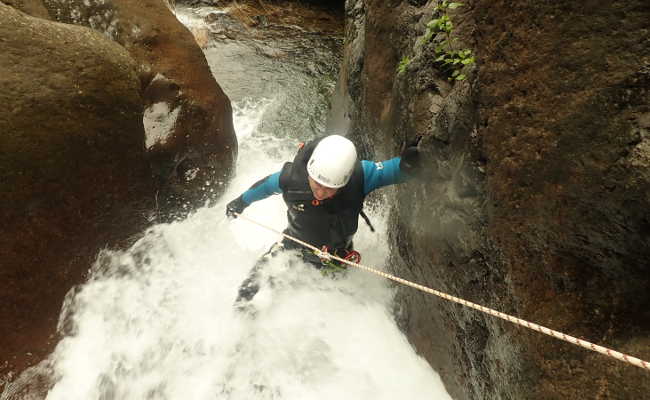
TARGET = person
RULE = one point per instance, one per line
(324, 189)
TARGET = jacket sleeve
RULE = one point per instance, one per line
(263, 188)
(379, 174)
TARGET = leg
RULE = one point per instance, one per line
(251, 284)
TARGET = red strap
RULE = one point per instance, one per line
(353, 256)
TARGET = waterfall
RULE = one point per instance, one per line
(157, 322)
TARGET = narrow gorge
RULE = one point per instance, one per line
(128, 125)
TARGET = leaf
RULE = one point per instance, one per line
(441, 58)
(403, 65)
(455, 73)
(461, 77)
(455, 5)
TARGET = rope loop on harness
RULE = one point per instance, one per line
(323, 254)
(517, 321)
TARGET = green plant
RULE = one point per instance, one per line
(403, 65)
(453, 60)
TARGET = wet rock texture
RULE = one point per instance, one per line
(194, 145)
(535, 197)
(80, 168)
(73, 170)
(34, 8)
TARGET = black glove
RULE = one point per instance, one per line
(235, 207)
(410, 158)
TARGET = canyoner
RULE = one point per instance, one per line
(324, 188)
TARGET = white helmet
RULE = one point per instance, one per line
(332, 162)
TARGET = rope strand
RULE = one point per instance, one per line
(518, 321)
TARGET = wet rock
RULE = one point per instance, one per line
(198, 3)
(561, 94)
(31, 7)
(199, 149)
(225, 25)
(253, 19)
(536, 192)
(73, 169)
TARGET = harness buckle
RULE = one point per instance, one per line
(352, 256)
(324, 254)
(334, 268)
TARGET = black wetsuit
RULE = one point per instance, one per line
(331, 222)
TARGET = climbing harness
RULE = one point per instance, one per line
(331, 267)
(530, 325)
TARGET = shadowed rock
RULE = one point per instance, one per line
(192, 149)
(72, 166)
(34, 8)
(537, 192)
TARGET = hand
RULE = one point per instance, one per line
(410, 158)
(235, 207)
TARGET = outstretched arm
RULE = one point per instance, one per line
(379, 174)
(260, 190)
(395, 170)
(263, 188)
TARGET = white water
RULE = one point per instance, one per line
(157, 322)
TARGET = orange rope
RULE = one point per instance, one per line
(530, 325)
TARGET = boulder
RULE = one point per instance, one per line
(73, 170)
(32, 7)
(190, 136)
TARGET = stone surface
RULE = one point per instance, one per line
(537, 188)
(563, 92)
(32, 7)
(200, 147)
(73, 170)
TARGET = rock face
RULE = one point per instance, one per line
(536, 190)
(190, 136)
(73, 169)
(34, 8)
(568, 149)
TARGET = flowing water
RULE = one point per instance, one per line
(157, 322)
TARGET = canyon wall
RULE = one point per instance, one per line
(535, 188)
